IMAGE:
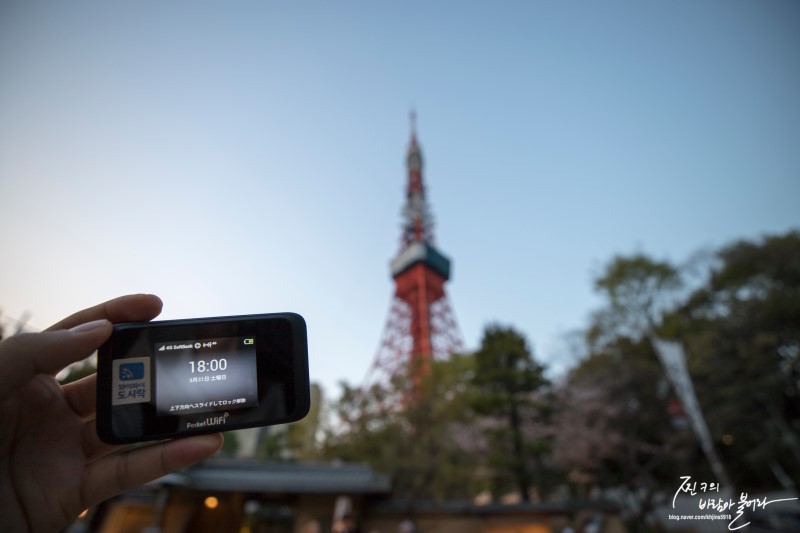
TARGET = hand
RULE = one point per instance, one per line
(52, 462)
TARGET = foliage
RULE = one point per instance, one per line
(425, 442)
(471, 423)
(740, 327)
(612, 427)
(302, 436)
(507, 385)
(230, 445)
(743, 335)
(638, 290)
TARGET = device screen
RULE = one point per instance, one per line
(202, 375)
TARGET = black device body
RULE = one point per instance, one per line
(164, 379)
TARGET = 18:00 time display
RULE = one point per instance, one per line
(212, 365)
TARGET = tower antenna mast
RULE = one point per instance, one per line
(421, 325)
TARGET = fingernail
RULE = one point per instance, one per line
(89, 326)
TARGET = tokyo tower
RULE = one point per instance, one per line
(421, 325)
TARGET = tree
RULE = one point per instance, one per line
(638, 291)
(507, 384)
(426, 442)
(740, 329)
(743, 336)
(302, 436)
(444, 435)
(612, 427)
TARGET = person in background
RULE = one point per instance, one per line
(54, 465)
(345, 524)
(407, 526)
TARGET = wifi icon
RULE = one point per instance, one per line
(131, 371)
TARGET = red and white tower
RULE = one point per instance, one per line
(421, 325)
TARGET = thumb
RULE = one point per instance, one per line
(24, 356)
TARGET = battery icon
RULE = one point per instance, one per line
(248, 341)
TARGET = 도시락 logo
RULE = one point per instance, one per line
(130, 381)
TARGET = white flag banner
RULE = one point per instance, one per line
(673, 359)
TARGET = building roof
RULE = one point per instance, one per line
(465, 508)
(237, 475)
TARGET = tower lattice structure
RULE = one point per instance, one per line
(421, 325)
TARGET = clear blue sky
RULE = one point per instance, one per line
(247, 157)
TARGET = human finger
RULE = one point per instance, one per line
(81, 395)
(117, 473)
(94, 448)
(131, 308)
(25, 355)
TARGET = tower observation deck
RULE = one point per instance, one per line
(421, 325)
